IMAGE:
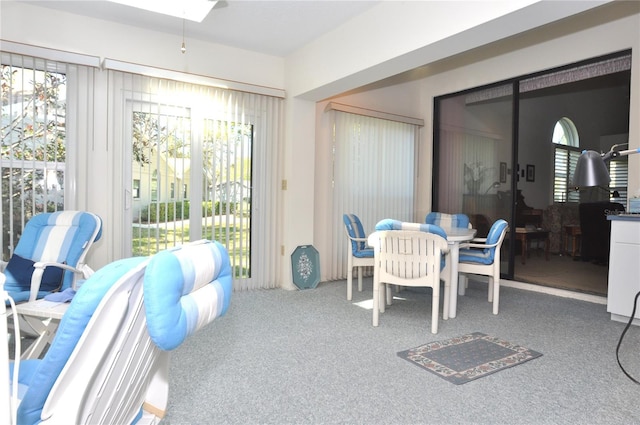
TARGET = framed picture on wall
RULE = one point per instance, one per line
(503, 172)
(531, 173)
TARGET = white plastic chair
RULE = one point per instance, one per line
(360, 254)
(447, 221)
(481, 256)
(407, 258)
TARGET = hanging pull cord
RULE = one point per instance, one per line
(633, 314)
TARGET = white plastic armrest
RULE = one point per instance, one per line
(36, 277)
(478, 245)
(358, 239)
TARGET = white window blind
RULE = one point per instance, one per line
(221, 148)
(566, 159)
(372, 176)
(619, 172)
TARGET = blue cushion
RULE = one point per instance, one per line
(447, 220)
(19, 271)
(34, 240)
(485, 255)
(364, 253)
(185, 289)
(390, 224)
(355, 230)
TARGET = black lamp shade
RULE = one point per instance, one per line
(591, 170)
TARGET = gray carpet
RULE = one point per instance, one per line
(311, 357)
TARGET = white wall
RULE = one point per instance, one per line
(54, 29)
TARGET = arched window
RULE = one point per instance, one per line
(567, 150)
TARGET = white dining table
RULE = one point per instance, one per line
(455, 235)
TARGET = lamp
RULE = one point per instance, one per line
(591, 169)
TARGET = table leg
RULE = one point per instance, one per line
(523, 248)
(454, 254)
(546, 247)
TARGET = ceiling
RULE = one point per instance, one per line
(274, 27)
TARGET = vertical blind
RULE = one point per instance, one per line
(471, 166)
(46, 110)
(372, 175)
(198, 162)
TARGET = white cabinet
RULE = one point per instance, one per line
(624, 268)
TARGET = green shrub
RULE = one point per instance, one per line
(165, 212)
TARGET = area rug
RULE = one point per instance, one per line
(468, 357)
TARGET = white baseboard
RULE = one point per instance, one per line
(597, 299)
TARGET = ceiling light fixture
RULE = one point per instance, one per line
(193, 10)
(183, 48)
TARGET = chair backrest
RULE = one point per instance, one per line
(120, 362)
(495, 237)
(354, 229)
(390, 224)
(39, 376)
(447, 220)
(406, 257)
(63, 237)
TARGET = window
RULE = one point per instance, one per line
(567, 151)
(618, 171)
(136, 188)
(154, 185)
(33, 142)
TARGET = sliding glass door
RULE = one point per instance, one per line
(473, 169)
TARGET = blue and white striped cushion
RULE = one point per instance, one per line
(485, 255)
(355, 229)
(390, 224)
(60, 237)
(184, 289)
(447, 220)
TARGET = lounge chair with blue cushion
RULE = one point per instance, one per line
(109, 360)
(50, 254)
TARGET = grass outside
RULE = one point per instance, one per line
(148, 241)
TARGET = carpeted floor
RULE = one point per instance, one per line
(312, 357)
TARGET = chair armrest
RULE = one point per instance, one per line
(357, 239)
(365, 240)
(36, 277)
(477, 245)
